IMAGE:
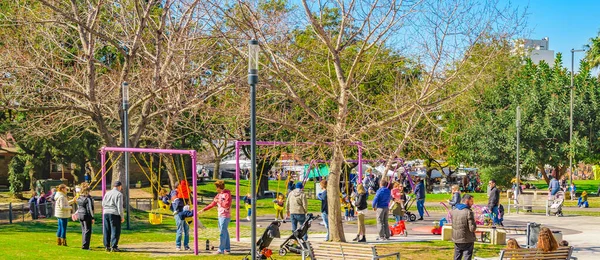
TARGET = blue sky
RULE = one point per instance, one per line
(568, 23)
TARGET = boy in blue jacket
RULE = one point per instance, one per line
(183, 227)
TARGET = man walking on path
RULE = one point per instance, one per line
(112, 214)
(494, 200)
(463, 229)
(297, 207)
(420, 196)
(381, 207)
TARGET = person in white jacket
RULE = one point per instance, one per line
(62, 211)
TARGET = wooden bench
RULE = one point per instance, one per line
(535, 254)
(348, 251)
(529, 199)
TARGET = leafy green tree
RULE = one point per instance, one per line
(541, 92)
(593, 53)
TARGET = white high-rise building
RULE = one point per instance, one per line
(537, 50)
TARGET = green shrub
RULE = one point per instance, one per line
(502, 175)
(18, 173)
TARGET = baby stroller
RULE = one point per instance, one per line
(296, 243)
(407, 204)
(263, 251)
(557, 203)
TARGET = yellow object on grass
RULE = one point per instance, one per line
(155, 218)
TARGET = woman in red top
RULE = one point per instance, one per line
(223, 203)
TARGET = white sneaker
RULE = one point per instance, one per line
(248, 218)
(178, 248)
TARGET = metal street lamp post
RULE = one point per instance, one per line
(253, 50)
(571, 152)
(518, 180)
(125, 90)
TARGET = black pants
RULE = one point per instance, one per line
(86, 231)
(463, 249)
(112, 230)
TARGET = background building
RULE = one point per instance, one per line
(537, 50)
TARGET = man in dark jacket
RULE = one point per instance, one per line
(381, 204)
(420, 197)
(463, 229)
(494, 200)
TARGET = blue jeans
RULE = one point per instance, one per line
(398, 218)
(326, 220)
(182, 228)
(421, 207)
(224, 236)
(297, 221)
(495, 215)
(62, 227)
(249, 212)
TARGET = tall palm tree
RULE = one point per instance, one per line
(593, 53)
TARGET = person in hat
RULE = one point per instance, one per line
(112, 214)
(296, 206)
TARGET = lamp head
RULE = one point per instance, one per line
(253, 49)
(125, 88)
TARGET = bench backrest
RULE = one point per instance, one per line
(535, 254)
(332, 250)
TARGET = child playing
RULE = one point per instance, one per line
(248, 205)
(163, 196)
(183, 227)
(346, 205)
(279, 207)
(583, 200)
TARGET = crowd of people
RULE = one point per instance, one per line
(388, 198)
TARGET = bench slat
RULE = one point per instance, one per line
(347, 251)
(534, 253)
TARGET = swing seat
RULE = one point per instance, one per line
(162, 205)
(155, 218)
(277, 207)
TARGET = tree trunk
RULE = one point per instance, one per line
(32, 178)
(171, 170)
(216, 173)
(118, 172)
(73, 173)
(263, 167)
(544, 175)
(92, 172)
(336, 230)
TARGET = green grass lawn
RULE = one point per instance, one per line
(591, 186)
